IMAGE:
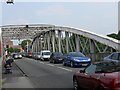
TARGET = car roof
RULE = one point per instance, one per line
(107, 63)
(56, 52)
(45, 51)
(115, 52)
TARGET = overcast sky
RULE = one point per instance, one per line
(97, 17)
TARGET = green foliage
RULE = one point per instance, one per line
(115, 36)
(119, 35)
(16, 50)
(11, 50)
(24, 43)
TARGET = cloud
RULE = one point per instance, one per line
(54, 10)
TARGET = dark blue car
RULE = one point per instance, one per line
(56, 57)
(76, 59)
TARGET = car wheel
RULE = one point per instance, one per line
(71, 64)
(64, 63)
(75, 85)
(100, 88)
(54, 61)
(50, 61)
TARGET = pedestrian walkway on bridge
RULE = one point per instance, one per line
(15, 80)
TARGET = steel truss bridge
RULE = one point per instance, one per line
(60, 39)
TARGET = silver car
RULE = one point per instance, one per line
(36, 55)
(114, 57)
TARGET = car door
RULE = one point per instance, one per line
(119, 58)
(82, 80)
(86, 80)
(114, 58)
(95, 79)
(68, 58)
(52, 56)
(65, 58)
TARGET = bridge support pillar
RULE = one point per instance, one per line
(67, 39)
(37, 44)
(32, 47)
(41, 42)
(77, 43)
(59, 40)
(48, 40)
(53, 41)
(92, 50)
(45, 37)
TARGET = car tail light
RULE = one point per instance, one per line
(117, 83)
(30, 54)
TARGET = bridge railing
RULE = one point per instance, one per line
(97, 56)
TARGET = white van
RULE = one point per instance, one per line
(45, 55)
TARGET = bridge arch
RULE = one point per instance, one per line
(51, 37)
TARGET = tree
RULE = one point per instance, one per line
(24, 43)
(115, 36)
(10, 50)
(119, 35)
(16, 50)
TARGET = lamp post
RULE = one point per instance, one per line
(9, 2)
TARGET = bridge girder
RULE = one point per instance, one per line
(34, 30)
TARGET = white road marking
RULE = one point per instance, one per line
(65, 69)
(42, 62)
(50, 64)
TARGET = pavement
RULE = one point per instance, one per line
(15, 80)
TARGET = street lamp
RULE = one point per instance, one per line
(9, 2)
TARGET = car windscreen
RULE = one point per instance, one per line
(75, 54)
(58, 54)
(46, 53)
(104, 68)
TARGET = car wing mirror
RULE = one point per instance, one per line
(82, 71)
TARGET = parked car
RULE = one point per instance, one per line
(99, 76)
(37, 55)
(114, 57)
(17, 56)
(29, 55)
(24, 54)
(45, 55)
(76, 59)
(56, 57)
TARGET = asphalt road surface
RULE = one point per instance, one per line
(46, 75)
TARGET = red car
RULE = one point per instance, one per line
(99, 76)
